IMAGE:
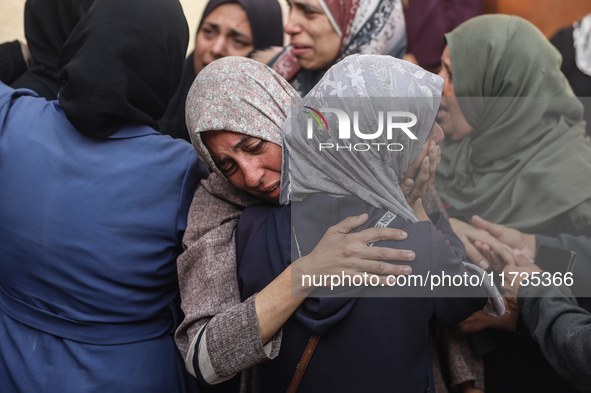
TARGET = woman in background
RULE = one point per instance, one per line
(227, 28)
(516, 154)
(323, 32)
(518, 129)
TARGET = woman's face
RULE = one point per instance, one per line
(315, 42)
(251, 164)
(450, 116)
(224, 32)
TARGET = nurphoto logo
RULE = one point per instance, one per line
(392, 120)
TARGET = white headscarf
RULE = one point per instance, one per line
(368, 84)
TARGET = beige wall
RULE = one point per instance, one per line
(11, 18)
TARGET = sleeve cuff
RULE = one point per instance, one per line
(230, 344)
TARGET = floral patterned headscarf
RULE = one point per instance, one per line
(240, 95)
(371, 85)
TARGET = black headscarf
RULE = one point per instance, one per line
(48, 24)
(266, 25)
(122, 63)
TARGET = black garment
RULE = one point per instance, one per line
(517, 362)
(12, 63)
(368, 344)
(582, 268)
(561, 329)
(48, 24)
(265, 21)
(173, 122)
(122, 64)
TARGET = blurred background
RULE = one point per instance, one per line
(548, 15)
(12, 17)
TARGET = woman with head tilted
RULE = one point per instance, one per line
(323, 32)
(227, 28)
(515, 127)
(94, 209)
(515, 154)
(238, 142)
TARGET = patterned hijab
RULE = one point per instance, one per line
(240, 95)
(372, 85)
(582, 44)
(365, 27)
(527, 161)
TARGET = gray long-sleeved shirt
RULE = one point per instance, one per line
(552, 316)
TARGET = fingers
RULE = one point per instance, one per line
(434, 157)
(521, 259)
(348, 224)
(423, 180)
(497, 262)
(475, 256)
(383, 269)
(489, 246)
(374, 235)
(414, 167)
(386, 254)
(494, 229)
(407, 185)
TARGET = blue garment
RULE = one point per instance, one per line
(89, 235)
(368, 344)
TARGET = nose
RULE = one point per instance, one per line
(443, 74)
(253, 173)
(218, 47)
(293, 26)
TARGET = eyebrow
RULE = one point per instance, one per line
(308, 7)
(235, 148)
(233, 32)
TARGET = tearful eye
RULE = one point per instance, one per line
(227, 169)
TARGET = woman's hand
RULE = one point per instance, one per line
(338, 252)
(421, 173)
(507, 238)
(514, 275)
(342, 253)
(483, 247)
(480, 321)
(419, 210)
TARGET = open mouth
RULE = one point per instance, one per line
(299, 49)
(272, 188)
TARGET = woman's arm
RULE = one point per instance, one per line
(236, 330)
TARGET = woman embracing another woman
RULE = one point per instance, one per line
(236, 272)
